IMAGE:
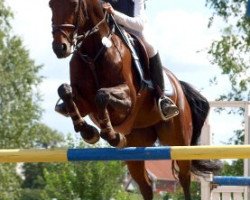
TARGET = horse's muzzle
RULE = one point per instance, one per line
(62, 50)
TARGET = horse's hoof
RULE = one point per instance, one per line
(93, 140)
(90, 135)
(65, 91)
(120, 141)
(123, 141)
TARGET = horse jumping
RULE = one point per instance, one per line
(104, 86)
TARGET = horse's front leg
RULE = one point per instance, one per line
(119, 100)
(89, 133)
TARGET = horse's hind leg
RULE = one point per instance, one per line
(141, 138)
(184, 176)
(89, 133)
(139, 174)
(169, 133)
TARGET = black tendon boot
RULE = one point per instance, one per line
(166, 106)
(61, 108)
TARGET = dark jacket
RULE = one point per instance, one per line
(126, 7)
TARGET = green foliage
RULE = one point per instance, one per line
(33, 173)
(231, 51)
(19, 112)
(45, 137)
(233, 169)
(10, 182)
(30, 194)
(19, 109)
(18, 103)
(83, 180)
(195, 192)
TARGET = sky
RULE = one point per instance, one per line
(178, 27)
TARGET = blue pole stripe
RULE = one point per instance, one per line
(232, 180)
(132, 153)
(248, 9)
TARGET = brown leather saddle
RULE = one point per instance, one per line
(139, 56)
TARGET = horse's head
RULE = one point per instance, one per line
(66, 18)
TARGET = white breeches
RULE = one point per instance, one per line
(146, 39)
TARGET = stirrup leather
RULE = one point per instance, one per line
(164, 102)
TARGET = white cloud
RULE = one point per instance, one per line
(180, 34)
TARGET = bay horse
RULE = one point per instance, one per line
(103, 86)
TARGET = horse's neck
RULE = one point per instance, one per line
(96, 16)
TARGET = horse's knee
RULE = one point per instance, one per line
(102, 98)
(65, 91)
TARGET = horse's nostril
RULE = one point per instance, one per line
(60, 49)
(64, 47)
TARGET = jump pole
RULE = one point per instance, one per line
(132, 153)
(248, 9)
(231, 180)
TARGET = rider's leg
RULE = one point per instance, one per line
(166, 106)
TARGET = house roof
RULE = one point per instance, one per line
(160, 169)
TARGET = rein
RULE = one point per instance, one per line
(77, 40)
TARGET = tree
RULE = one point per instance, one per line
(34, 181)
(85, 180)
(195, 192)
(231, 51)
(19, 104)
(10, 182)
(19, 101)
(231, 54)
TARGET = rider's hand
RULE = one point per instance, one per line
(108, 8)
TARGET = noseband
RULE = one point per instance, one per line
(75, 27)
(77, 40)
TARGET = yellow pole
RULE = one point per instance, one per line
(210, 152)
(33, 155)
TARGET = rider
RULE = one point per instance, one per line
(131, 15)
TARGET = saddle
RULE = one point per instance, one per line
(139, 56)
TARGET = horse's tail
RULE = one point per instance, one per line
(199, 108)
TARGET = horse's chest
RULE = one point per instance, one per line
(109, 76)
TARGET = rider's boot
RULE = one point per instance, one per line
(166, 106)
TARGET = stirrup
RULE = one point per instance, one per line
(61, 109)
(167, 108)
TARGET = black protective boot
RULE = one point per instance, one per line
(166, 106)
(61, 108)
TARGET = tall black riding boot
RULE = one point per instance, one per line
(166, 106)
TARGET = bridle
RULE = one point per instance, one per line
(61, 27)
(76, 40)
